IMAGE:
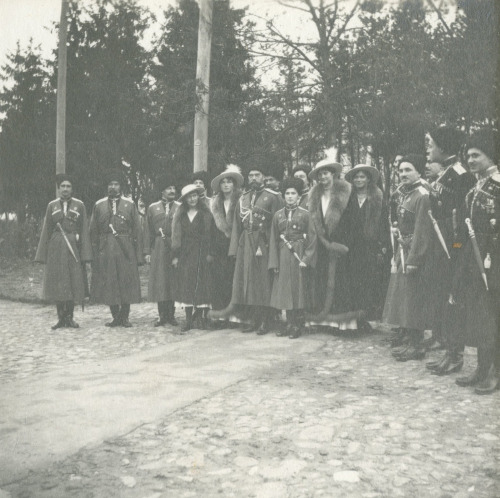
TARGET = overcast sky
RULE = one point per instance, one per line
(25, 19)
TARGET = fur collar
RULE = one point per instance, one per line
(341, 191)
(223, 221)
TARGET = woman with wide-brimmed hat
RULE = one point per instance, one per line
(191, 249)
(227, 190)
(368, 260)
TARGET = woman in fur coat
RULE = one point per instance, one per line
(191, 250)
(368, 260)
(328, 200)
(227, 190)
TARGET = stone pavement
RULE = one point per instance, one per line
(141, 412)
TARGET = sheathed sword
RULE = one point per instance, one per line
(477, 252)
(289, 245)
(119, 241)
(438, 233)
(68, 243)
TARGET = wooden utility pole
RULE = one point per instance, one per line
(61, 90)
(203, 85)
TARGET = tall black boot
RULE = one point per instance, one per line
(70, 308)
(265, 326)
(170, 313)
(123, 315)
(162, 313)
(61, 316)
(297, 321)
(189, 319)
(416, 350)
(115, 313)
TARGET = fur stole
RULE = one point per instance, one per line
(340, 193)
(374, 201)
(203, 211)
(223, 221)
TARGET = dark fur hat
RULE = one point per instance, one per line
(295, 183)
(115, 175)
(63, 177)
(417, 160)
(487, 141)
(448, 139)
(164, 181)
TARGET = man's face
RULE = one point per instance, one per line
(301, 175)
(271, 182)
(432, 170)
(226, 185)
(325, 178)
(434, 153)
(169, 194)
(408, 174)
(291, 196)
(199, 183)
(255, 179)
(114, 188)
(65, 189)
(478, 161)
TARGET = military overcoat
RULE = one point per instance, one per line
(409, 303)
(250, 239)
(158, 243)
(117, 244)
(64, 277)
(292, 284)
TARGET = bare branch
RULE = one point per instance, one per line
(440, 16)
(295, 7)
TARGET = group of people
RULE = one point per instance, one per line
(327, 250)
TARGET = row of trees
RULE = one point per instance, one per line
(375, 76)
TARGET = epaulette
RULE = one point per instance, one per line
(303, 209)
(423, 190)
(154, 203)
(271, 191)
(77, 200)
(177, 203)
(126, 199)
(101, 200)
(55, 200)
(496, 177)
(458, 168)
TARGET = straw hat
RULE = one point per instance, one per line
(189, 189)
(231, 171)
(329, 164)
(369, 170)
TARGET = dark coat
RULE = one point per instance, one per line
(369, 256)
(409, 303)
(223, 265)
(250, 238)
(64, 278)
(115, 276)
(330, 277)
(159, 246)
(482, 307)
(292, 284)
(191, 244)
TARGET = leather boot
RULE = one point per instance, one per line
(454, 364)
(432, 365)
(263, 329)
(115, 312)
(170, 313)
(470, 380)
(189, 319)
(399, 338)
(123, 316)
(70, 308)
(490, 384)
(61, 318)
(295, 332)
(415, 351)
(162, 320)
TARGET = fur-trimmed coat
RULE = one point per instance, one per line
(331, 230)
(223, 265)
(191, 244)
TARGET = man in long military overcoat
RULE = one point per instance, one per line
(250, 239)
(64, 248)
(116, 238)
(158, 250)
(447, 201)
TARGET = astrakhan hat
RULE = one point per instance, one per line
(165, 181)
(63, 177)
(115, 175)
(369, 170)
(329, 164)
(189, 189)
(231, 171)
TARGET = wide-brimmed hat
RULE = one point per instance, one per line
(369, 170)
(329, 164)
(231, 171)
(189, 189)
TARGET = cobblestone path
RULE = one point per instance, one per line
(342, 420)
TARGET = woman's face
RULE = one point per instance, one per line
(192, 199)
(226, 185)
(291, 196)
(360, 180)
(325, 178)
